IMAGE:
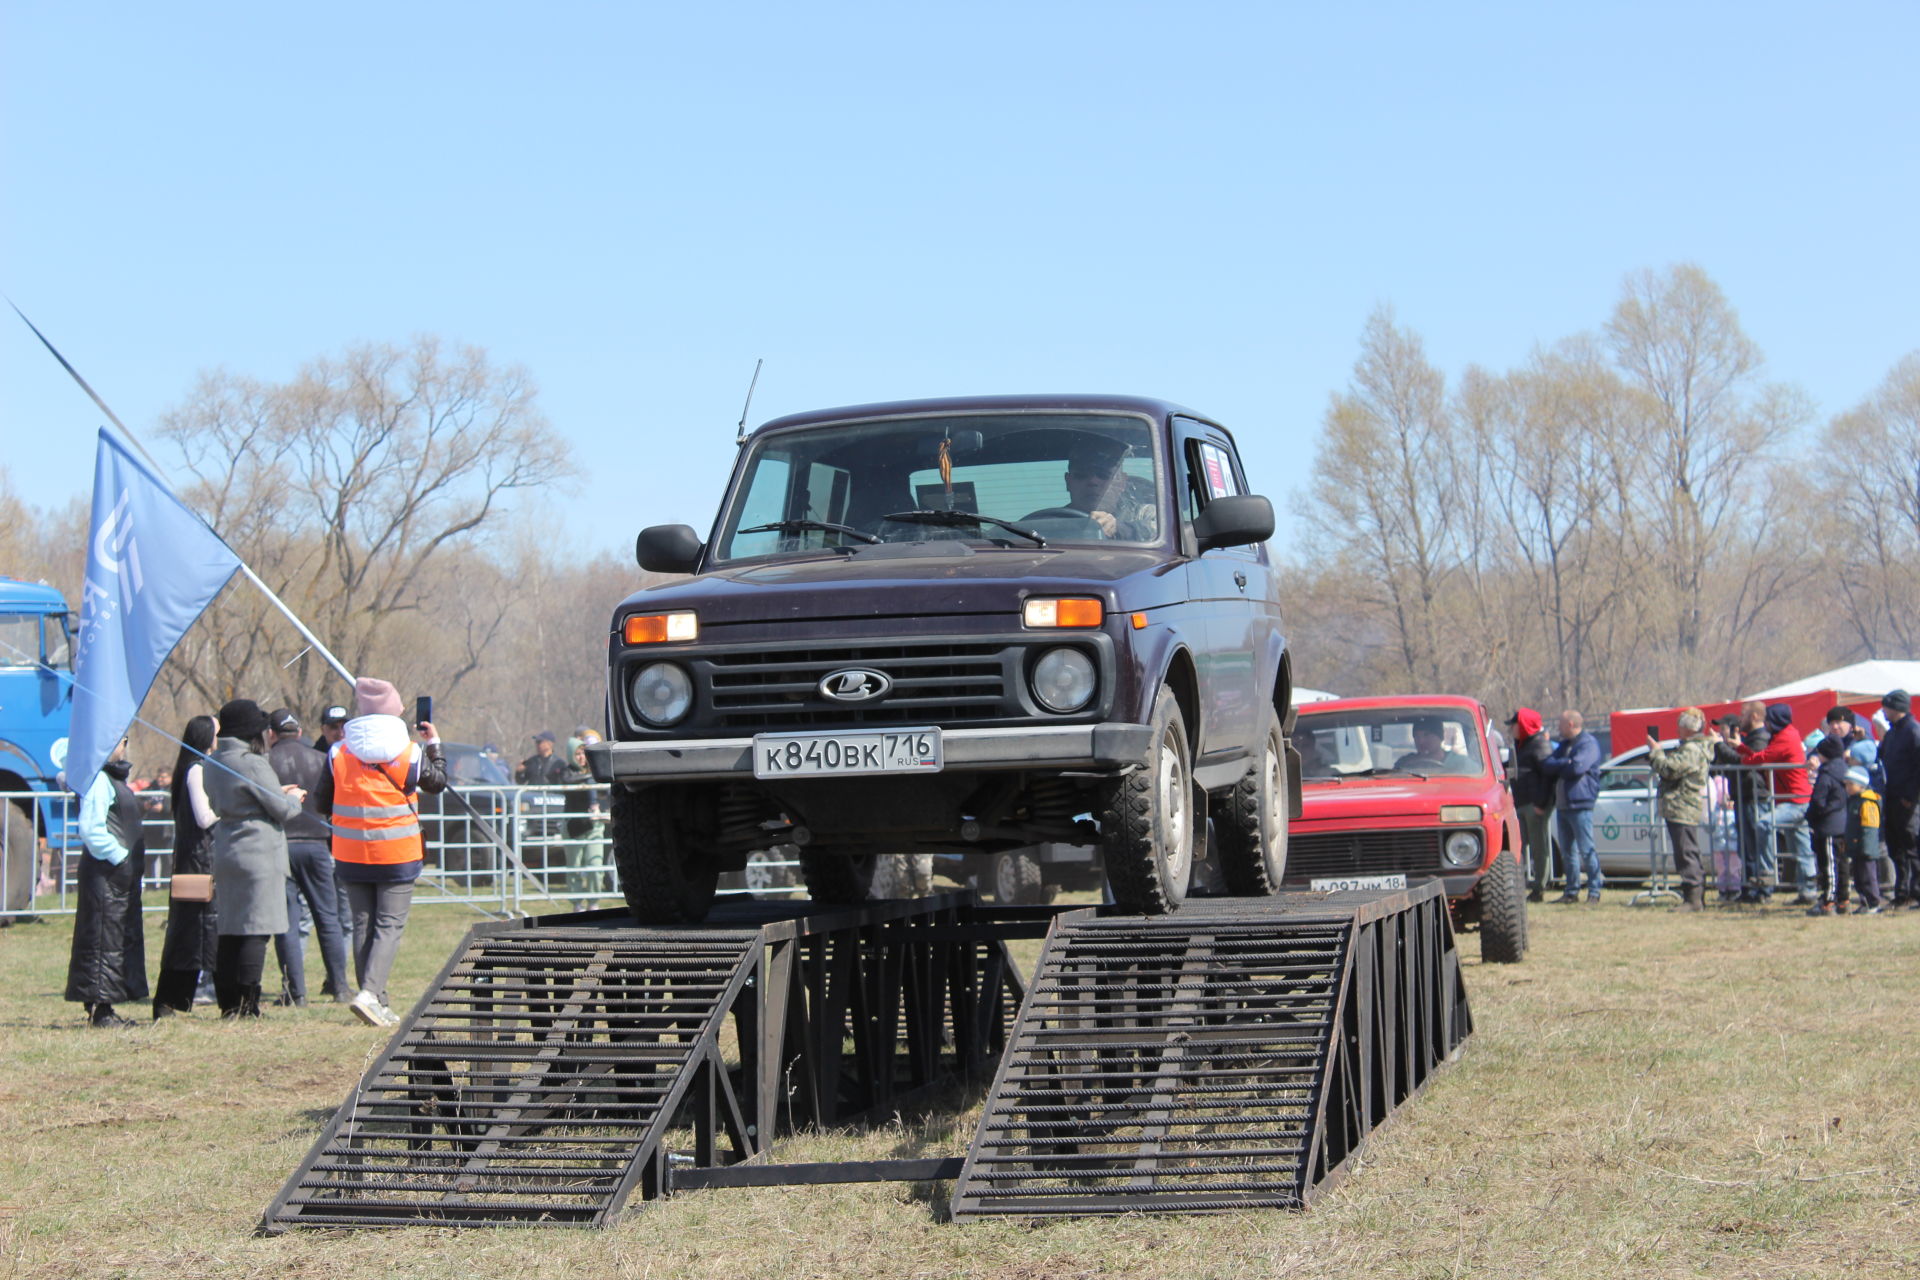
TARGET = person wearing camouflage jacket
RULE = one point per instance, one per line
(1682, 771)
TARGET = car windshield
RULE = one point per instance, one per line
(1031, 478)
(1422, 740)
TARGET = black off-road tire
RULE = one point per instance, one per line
(1017, 879)
(1153, 820)
(22, 853)
(666, 877)
(1250, 822)
(1503, 911)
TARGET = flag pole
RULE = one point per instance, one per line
(294, 618)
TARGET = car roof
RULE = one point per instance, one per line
(1392, 701)
(1055, 402)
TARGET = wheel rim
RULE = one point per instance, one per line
(1176, 794)
(1275, 817)
(759, 875)
(1006, 885)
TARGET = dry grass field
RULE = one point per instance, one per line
(1648, 1095)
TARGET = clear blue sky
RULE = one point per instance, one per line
(1199, 201)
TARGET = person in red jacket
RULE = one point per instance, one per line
(1785, 757)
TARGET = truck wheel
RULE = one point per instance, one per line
(865, 877)
(1250, 822)
(1016, 878)
(665, 877)
(22, 854)
(1503, 911)
(1150, 823)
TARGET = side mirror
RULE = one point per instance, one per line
(668, 548)
(1234, 522)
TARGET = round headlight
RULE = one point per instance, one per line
(1063, 680)
(1463, 848)
(662, 693)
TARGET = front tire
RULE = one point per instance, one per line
(665, 876)
(1250, 822)
(1150, 823)
(1502, 892)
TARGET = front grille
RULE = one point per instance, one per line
(940, 683)
(1362, 852)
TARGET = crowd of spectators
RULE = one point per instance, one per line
(1734, 796)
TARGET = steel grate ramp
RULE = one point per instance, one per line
(1231, 1055)
(528, 1084)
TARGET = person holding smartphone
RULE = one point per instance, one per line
(367, 792)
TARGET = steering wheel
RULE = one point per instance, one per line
(1059, 513)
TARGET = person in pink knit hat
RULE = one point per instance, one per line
(367, 793)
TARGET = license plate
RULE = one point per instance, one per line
(1340, 884)
(835, 755)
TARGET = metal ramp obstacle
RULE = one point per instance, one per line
(1236, 1053)
(558, 1066)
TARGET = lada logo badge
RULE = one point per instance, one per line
(855, 684)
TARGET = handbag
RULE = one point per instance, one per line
(190, 888)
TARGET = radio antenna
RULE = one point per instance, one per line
(741, 438)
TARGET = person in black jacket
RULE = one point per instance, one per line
(1900, 816)
(193, 936)
(1827, 823)
(1533, 798)
(310, 859)
(544, 768)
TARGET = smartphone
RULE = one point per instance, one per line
(423, 709)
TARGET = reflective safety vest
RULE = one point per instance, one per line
(373, 820)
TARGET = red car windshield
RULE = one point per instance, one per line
(1417, 740)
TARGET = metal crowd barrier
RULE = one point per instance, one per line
(542, 863)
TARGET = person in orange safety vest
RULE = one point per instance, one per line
(367, 794)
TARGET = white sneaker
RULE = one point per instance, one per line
(366, 1007)
(393, 1019)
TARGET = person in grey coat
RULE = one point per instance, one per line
(249, 854)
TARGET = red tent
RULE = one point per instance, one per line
(1809, 709)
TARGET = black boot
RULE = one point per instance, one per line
(250, 1001)
(102, 1015)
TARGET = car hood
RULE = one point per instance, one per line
(915, 580)
(1390, 798)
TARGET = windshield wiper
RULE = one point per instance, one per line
(802, 526)
(925, 515)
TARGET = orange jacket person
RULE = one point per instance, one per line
(367, 792)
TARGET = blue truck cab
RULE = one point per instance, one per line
(36, 706)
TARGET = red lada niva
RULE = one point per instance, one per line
(1403, 788)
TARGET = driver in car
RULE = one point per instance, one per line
(1430, 749)
(1097, 489)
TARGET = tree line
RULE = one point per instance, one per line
(1633, 517)
(396, 497)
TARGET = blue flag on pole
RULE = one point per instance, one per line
(152, 568)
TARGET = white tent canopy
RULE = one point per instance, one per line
(1853, 683)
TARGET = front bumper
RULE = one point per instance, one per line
(1094, 748)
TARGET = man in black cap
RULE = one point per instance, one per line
(1430, 752)
(1900, 818)
(333, 727)
(310, 861)
(1097, 488)
(543, 768)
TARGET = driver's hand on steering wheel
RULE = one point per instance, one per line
(1106, 521)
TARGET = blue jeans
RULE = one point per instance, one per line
(1576, 850)
(312, 879)
(1792, 819)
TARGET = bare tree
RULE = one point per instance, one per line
(1868, 475)
(347, 489)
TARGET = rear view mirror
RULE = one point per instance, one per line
(1234, 521)
(668, 548)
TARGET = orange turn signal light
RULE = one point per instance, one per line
(659, 628)
(1063, 613)
(1139, 621)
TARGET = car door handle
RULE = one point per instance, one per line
(1240, 579)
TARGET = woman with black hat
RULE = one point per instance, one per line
(250, 866)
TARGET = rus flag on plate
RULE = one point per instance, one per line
(152, 568)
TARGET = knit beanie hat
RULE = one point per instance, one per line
(1865, 751)
(375, 697)
(1779, 716)
(1831, 749)
(1858, 776)
(1527, 720)
(1897, 701)
(243, 719)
